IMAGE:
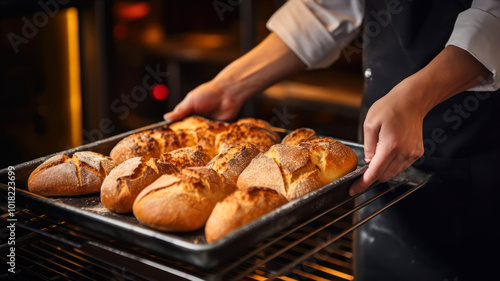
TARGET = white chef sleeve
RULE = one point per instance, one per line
(477, 30)
(317, 30)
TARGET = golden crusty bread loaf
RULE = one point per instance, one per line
(190, 123)
(244, 133)
(295, 170)
(127, 180)
(182, 202)
(332, 157)
(288, 170)
(240, 208)
(318, 139)
(147, 144)
(261, 124)
(256, 122)
(206, 136)
(194, 156)
(62, 175)
(233, 160)
(196, 130)
(298, 136)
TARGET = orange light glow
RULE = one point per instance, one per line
(75, 94)
(132, 11)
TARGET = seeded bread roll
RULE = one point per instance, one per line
(194, 156)
(182, 202)
(127, 180)
(240, 208)
(233, 160)
(147, 144)
(62, 175)
(295, 170)
(298, 136)
(245, 133)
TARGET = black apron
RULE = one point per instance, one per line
(445, 230)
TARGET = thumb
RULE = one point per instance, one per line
(182, 110)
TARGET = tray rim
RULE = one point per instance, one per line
(143, 231)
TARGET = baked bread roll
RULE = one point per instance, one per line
(188, 128)
(298, 136)
(147, 144)
(194, 156)
(182, 202)
(61, 175)
(295, 170)
(288, 170)
(255, 122)
(318, 139)
(233, 160)
(333, 158)
(196, 130)
(127, 180)
(261, 124)
(245, 133)
(240, 208)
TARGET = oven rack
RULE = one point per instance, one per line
(320, 248)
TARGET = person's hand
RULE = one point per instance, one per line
(392, 136)
(207, 100)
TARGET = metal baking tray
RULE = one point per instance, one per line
(87, 211)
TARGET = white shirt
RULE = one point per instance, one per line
(317, 30)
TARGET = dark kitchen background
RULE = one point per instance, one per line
(73, 72)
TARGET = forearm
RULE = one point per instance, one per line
(264, 65)
(453, 71)
(393, 124)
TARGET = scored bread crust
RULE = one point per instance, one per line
(213, 136)
(233, 160)
(182, 202)
(196, 130)
(245, 133)
(295, 170)
(194, 156)
(127, 180)
(62, 175)
(298, 136)
(147, 144)
(333, 158)
(240, 208)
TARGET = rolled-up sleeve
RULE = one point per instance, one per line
(316, 31)
(477, 30)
